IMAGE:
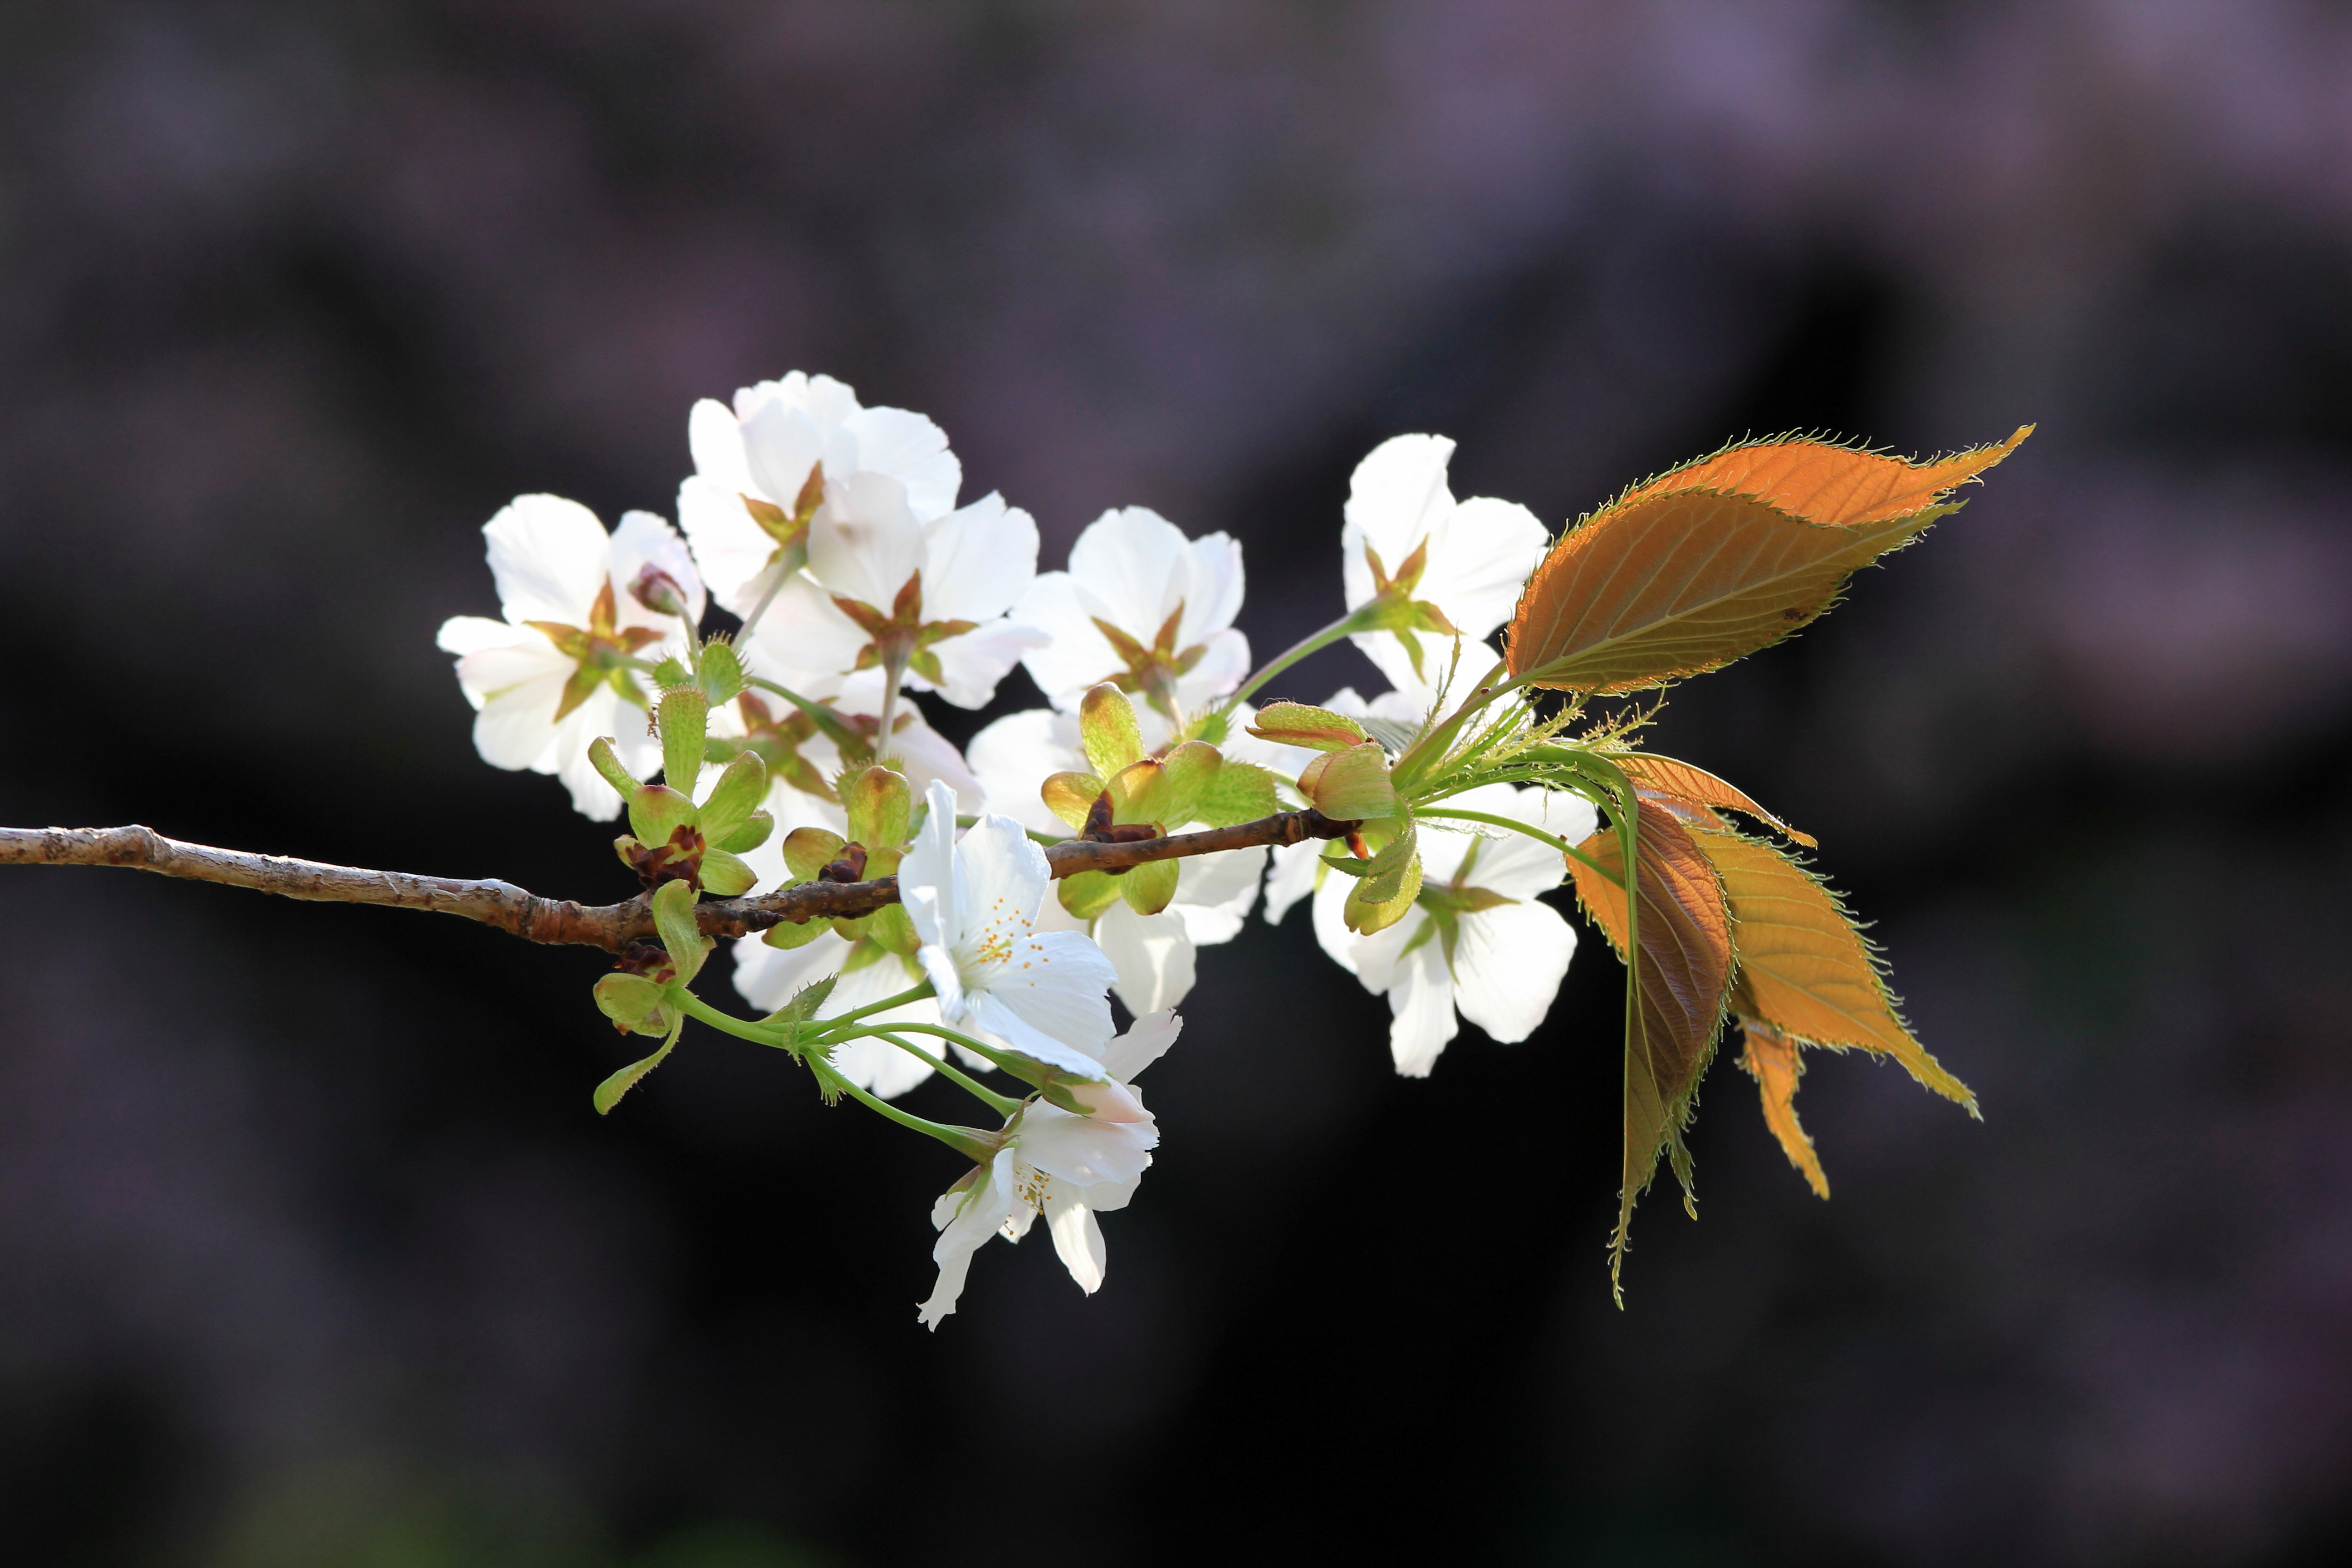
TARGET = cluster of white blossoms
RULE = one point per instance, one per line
(836, 533)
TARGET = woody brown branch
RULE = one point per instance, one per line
(560, 920)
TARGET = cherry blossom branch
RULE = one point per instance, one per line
(611, 927)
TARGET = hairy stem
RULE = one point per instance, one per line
(1562, 845)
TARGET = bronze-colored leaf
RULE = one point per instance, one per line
(1823, 482)
(1682, 974)
(1678, 583)
(1804, 965)
(1681, 782)
(1771, 1058)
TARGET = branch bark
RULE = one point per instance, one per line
(611, 927)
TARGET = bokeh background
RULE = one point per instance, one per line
(312, 1251)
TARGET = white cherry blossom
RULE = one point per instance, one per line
(1155, 954)
(1474, 554)
(761, 454)
(1067, 1168)
(1144, 606)
(842, 520)
(1476, 940)
(975, 906)
(579, 605)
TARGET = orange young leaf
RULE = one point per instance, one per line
(1804, 969)
(1678, 583)
(1771, 1058)
(1823, 482)
(1696, 787)
(1681, 976)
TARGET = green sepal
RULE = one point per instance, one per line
(889, 927)
(1191, 769)
(720, 673)
(1351, 785)
(636, 1005)
(671, 672)
(725, 876)
(673, 905)
(1239, 791)
(1391, 881)
(1297, 724)
(1107, 731)
(740, 786)
(656, 811)
(683, 718)
(808, 850)
(1088, 893)
(1071, 796)
(1150, 887)
(609, 1092)
(790, 934)
(1140, 793)
(608, 762)
(800, 1008)
(880, 804)
(751, 836)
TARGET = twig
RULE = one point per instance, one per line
(609, 926)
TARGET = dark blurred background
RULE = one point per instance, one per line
(311, 1249)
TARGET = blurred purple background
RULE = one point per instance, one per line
(311, 1251)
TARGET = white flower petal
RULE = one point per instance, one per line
(1001, 874)
(974, 1220)
(1077, 1239)
(978, 561)
(767, 976)
(1508, 963)
(1292, 878)
(1151, 954)
(781, 447)
(1490, 548)
(1214, 894)
(864, 543)
(471, 634)
(1328, 912)
(1084, 1150)
(1397, 495)
(730, 549)
(1012, 757)
(549, 557)
(1422, 1004)
(912, 450)
(973, 664)
(1145, 1042)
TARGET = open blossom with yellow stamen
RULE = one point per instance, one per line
(1066, 1168)
(975, 905)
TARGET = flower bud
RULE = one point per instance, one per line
(657, 591)
(1109, 1101)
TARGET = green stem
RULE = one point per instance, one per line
(726, 1022)
(969, 1142)
(1435, 744)
(1562, 845)
(893, 671)
(826, 719)
(1003, 1105)
(914, 993)
(752, 621)
(1315, 642)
